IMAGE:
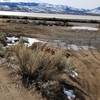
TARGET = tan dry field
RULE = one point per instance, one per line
(51, 33)
(10, 91)
(88, 68)
(86, 62)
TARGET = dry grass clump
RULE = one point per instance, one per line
(39, 65)
(3, 38)
(41, 69)
(52, 90)
(2, 50)
(23, 40)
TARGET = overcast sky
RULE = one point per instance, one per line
(76, 3)
(88, 4)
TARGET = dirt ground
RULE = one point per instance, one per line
(52, 32)
(10, 91)
(88, 66)
(86, 62)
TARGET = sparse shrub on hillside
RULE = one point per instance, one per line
(3, 38)
(25, 58)
(51, 90)
(2, 35)
(39, 65)
(2, 50)
(23, 40)
(42, 69)
(30, 62)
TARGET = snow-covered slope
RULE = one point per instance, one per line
(95, 11)
(39, 7)
(16, 1)
(45, 8)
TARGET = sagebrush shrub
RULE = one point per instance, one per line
(3, 38)
(45, 71)
(2, 50)
(39, 65)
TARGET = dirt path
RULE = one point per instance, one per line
(8, 90)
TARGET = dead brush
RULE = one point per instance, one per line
(30, 62)
(2, 50)
(37, 65)
(42, 70)
(3, 38)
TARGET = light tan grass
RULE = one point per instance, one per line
(40, 63)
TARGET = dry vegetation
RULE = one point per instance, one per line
(44, 71)
(49, 70)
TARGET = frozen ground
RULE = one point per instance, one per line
(14, 40)
(84, 28)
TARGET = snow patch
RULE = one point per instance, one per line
(73, 46)
(70, 94)
(74, 74)
(84, 28)
(12, 39)
(32, 40)
(87, 47)
(76, 48)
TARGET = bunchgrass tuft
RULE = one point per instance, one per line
(44, 70)
(36, 65)
(3, 38)
(2, 50)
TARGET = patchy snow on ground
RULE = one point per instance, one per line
(74, 74)
(69, 93)
(85, 28)
(12, 39)
(32, 40)
(10, 44)
(29, 41)
(73, 46)
(87, 47)
(76, 48)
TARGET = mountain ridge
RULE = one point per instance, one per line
(45, 8)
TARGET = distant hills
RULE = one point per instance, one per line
(46, 8)
(95, 11)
